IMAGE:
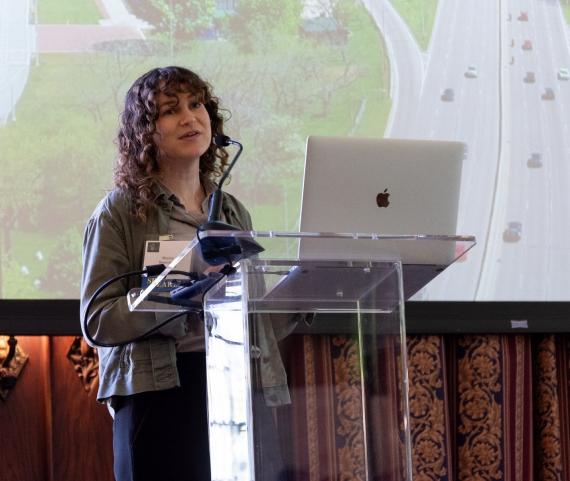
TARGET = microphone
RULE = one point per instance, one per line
(215, 208)
(218, 250)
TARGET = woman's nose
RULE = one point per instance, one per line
(188, 116)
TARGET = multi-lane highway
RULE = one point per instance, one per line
(466, 34)
(536, 194)
(476, 51)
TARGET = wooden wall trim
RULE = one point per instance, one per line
(60, 317)
(48, 406)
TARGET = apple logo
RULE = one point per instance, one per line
(382, 199)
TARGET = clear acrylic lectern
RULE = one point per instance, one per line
(306, 358)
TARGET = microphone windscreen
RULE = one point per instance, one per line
(221, 140)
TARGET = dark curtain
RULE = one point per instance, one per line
(483, 408)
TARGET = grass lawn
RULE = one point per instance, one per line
(420, 16)
(75, 131)
(29, 259)
(370, 90)
(68, 12)
(361, 110)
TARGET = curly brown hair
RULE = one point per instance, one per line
(136, 170)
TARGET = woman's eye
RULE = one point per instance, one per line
(196, 105)
(167, 111)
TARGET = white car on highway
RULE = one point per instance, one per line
(471, 72)
(563, 74)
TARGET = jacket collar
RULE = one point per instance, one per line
(162, 194)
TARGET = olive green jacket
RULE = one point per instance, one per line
(114, 244)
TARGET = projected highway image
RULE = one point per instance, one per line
(496, 78)
(494, 75)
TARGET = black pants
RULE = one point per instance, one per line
(163, 435)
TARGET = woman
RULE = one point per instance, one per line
(165, 172)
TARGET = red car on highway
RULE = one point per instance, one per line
(548, 94)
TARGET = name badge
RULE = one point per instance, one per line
(164, 252)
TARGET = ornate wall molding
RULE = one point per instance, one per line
(12, 362)
(85, 362)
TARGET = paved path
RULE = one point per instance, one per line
(117, 24)
(80, 38)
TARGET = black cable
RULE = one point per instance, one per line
(152, 270)
(225, 271)
(135, 339)
(226, 341)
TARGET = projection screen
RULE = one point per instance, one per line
(493, 74)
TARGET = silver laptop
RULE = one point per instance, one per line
(383, 186)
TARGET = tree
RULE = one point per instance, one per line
(184, 19)
(258, 24)
(64, 269)
(18, 188)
